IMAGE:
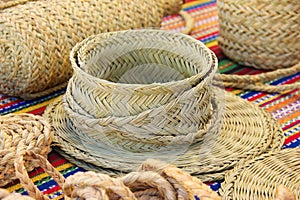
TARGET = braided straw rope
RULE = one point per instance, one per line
(36, 36)
(134, 95)
(263, 34)
(154, 180)
(257, 178)
(18, 133)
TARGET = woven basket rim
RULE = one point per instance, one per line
(90, 40)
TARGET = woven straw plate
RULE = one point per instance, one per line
(258, 178)
(103, 123)
(18, 133)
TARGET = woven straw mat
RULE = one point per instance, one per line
(148, 93)
(36, 37)
(263, 34)
(18, 133)
(257, 178)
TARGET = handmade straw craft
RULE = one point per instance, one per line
(262, 34)
(257, 178)
(36, 36)
(153, 180)
(148, 93)
(18, 133)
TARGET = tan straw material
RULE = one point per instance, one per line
(262, 34)
(18, 133)
(258, 178)
(154, 180)
(148, 94)
(36, 37)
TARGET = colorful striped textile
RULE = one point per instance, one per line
(285, 107)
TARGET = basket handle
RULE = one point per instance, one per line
(22, 174)
(255, 82)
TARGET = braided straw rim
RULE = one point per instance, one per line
(258, 178)
(21, 132)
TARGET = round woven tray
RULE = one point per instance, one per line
(19, 133)
(114, 115)
(258, 178)
(247, 131)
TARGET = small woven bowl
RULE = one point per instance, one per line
(17, 134)
(108, 68)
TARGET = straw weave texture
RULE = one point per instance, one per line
(37, 36)
(263, 34)
(112, 118)
(153, 180)
(258, 178)
(19, 133)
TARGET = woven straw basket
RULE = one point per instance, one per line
(148, 94)
(153, 180)
(36, 37)
(260, 33)
(17, 134)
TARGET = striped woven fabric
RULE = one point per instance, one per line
(285, 107)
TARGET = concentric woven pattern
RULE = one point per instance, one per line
(19, 133)
(258, 178)
(37, 36)
(263, 34)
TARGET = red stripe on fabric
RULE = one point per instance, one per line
(38, 111)
(256, 97)
(291, 125)
(291, 138)
(208, 35)
(277, 98)
(11, 103)
(52, 190)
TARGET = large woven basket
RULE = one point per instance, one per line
(148, 94)
(17, 134)
(260, 33)
(37, 36)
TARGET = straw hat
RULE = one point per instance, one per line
(142, 94)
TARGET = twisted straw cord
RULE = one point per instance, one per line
(21, 173)
(255, 82)
(5, 195)
(12, 3)
(91, 181)
(189, 22)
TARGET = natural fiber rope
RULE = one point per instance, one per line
(18, 133)
(51, 35)
(256, 82)
(154, 180)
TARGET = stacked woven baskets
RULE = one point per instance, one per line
(148, 94)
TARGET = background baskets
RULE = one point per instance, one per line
(37, 37)
(263, 34)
